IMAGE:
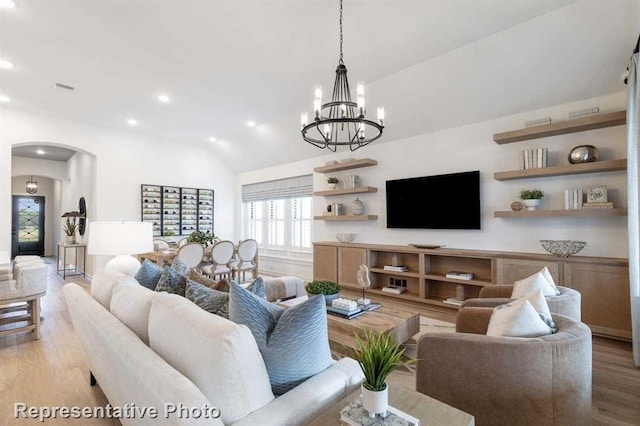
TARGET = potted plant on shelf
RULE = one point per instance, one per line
(330, 289)
(378, 356)
(69, 228)
(333, 182)
(531, 198)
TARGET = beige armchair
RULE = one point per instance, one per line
(567, 303)
(21, 287)
(508, 380)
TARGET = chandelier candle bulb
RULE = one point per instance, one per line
(381, 115)
(318, 92)
(343, 110)
(304, 119)
(317, 105)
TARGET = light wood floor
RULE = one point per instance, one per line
(52, 371)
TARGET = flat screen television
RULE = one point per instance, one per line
(449, 201)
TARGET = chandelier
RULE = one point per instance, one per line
(341, 122)
(32, 186)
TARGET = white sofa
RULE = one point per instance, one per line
(151, 349)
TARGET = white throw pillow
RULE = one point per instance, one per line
(131, 305)
(519, 319)
(103, 282)
(540, 280)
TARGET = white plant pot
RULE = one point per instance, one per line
(531, 204)
(375, 402)
(332, 185)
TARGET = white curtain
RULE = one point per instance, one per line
(633, 158)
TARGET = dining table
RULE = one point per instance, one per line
(160, 257)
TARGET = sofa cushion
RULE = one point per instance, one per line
(149, 274)
(294, 342)
(540, 280)
(179, 266)
(518, 319)
(219, 356)
(171, 281)
(209, 299)
(103, 282)
(222, 285)
(131, 305)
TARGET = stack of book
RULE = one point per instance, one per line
(573, 199)
(370, 306)
(533, 158)
(394, 289)
(598, 205)
(453, 301)
(396, 268)
(345, 310)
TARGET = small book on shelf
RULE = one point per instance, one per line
(396, 268)
(394, 289)
(459, 275)
(453, 301)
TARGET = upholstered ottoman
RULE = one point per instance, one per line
(283, 287)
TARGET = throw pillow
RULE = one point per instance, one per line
(517, 319)
(257, 287)
(209, 299)
(294, 342)
(171, 281)
(539, 303)
(222, 285)
(148, 274)
(131, 305)
(180, 267)
(540, 280)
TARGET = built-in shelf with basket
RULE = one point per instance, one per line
(571, 169)
(346, 165)
(345, 217)
(346, 191)
(584, 212)
(582, 124)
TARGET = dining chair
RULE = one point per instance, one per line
(247, 251)
(191, 254)
(182, 241)
(162, 244)
(222, 253)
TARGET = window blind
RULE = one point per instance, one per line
(293, 187)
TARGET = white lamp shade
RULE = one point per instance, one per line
(116, 238)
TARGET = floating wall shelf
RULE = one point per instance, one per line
(570, 169)
(584, 212)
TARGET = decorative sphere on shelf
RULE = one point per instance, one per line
(357, 207)
(583, 154)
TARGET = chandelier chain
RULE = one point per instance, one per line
(341, 61)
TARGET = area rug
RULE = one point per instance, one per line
(405, 375)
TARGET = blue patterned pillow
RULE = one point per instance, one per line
(294, 342)
(214, 301)
(180, 267)
(257, 287)
(148, 274)
(171, 281)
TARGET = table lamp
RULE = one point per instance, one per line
(120, 239)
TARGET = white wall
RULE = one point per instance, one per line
(472, 147)
(123, 161)
(46, 189)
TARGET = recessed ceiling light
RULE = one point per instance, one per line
(4, 98)
(163, 98)
(4, 64)
(7, 4)
(251, 123)
(132, 122)
(212, 139)
(40, 152)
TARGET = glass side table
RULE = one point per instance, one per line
(74, 268)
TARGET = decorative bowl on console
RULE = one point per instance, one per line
(563, 248)
(346, 238)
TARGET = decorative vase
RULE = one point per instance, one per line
(333, 185)
(375, 402)
(357, 207)
(531, 204)
(328, 298)
(583, 154)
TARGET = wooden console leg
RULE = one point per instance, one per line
(92, 379)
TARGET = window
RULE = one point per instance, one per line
(278, 214)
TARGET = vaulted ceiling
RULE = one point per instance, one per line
(433, 64)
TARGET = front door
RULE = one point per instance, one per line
(27, 227)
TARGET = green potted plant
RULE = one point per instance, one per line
(333, 182)
(204, 238)
(330, 289)
(69, 228)
(531, 198)
(378, 356)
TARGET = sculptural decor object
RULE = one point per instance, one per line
(583, 154)
(563, 248)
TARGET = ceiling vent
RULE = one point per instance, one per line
(64, 86)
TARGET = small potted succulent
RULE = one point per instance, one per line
(333, 182)
(69, 228)
(378, 356)
(531, 198)
(330, 289)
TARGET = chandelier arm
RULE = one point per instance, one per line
(341, 61)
